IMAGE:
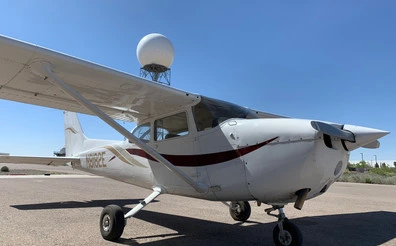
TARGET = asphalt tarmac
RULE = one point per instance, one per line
(65, 210)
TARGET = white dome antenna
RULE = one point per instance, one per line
(155, 54)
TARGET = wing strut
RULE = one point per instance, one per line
(44, 69)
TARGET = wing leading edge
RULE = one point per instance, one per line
(122, 96)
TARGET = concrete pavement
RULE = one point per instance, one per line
(65, 211)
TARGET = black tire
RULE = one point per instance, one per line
(112, 223)
(242, 213)
(292, 235)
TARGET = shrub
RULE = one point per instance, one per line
(5, 169)
(371, 177)
(363, 164)
(387, 171)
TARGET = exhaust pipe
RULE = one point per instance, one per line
(301, 197)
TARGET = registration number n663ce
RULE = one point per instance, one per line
(95, 160)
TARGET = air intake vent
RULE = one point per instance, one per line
(327, 141)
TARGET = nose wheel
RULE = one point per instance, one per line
(285, 233)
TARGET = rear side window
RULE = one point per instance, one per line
(142, 132)
(171, 127)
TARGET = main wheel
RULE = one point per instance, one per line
(291, 235)
(241, 211)
(112, 223)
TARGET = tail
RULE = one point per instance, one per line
(74, 136)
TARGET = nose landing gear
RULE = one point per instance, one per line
(285, 233)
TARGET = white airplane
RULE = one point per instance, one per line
(184, 144)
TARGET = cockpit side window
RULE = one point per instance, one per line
(171, 127)
(210, 113)
(203, 116)
(142, 132)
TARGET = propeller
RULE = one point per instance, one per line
(352, 136)
(333, 131)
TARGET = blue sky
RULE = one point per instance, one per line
(326, 60)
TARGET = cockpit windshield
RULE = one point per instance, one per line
(211, 112)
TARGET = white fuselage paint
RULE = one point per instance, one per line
(296, 159)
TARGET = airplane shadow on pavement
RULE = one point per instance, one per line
(367, 228)
(77, 204)
(371, 228)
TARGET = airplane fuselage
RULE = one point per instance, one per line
(267, 160)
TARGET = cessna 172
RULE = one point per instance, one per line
(184, 144)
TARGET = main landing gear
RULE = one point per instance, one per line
(240, 210)
(285, 233)
(113, 220)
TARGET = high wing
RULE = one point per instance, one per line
(53, 161)
(265, 115)
(35, 75)
(121, 96)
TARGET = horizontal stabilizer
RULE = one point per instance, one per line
(53, 161)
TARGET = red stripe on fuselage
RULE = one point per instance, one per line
(205, 159)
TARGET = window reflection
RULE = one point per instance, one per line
(210, 113)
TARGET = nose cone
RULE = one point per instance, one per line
(364, 136)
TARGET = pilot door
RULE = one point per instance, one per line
(226, 170)
(174, 138)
